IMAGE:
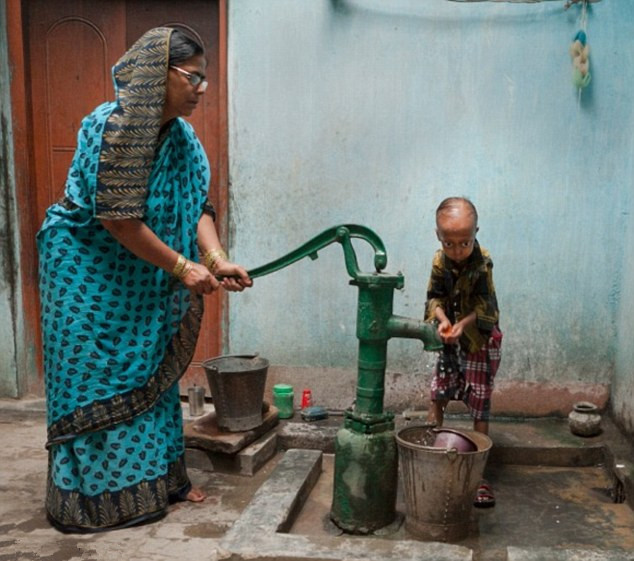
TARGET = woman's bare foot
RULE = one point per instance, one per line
(196, 495)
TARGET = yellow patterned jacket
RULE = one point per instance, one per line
(460, 289)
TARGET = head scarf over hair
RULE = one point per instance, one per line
(130, 134)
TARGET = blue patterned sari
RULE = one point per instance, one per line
(118, 332)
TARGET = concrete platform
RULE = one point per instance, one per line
(273, 510)
(546, 554)
(549, 506)
(203, 432)
(210, 448)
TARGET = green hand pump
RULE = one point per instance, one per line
(365, 480)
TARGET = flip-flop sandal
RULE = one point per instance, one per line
(484, 496)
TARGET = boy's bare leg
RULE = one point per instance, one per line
(481, 426)
(436, 412)
(484, 496)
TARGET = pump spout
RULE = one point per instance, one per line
(408, 328)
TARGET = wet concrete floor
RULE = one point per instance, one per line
(190, 531)
(555, 507)
(553, 490)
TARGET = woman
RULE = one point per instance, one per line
(121, 290)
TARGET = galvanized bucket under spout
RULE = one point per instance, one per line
(237, 386)
(440, 482)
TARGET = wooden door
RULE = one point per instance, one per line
(72, 46)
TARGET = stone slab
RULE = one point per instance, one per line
(204, 433)
(245, 462)
(317, 435)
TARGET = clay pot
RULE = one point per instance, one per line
(584, 419)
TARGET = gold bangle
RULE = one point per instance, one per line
(188, 267)
(211, 258)
(182, 267)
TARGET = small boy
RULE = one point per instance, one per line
(461, 298)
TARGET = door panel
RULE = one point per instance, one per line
(72, 46)
(71, 94)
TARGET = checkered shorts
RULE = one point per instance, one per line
(468, 376)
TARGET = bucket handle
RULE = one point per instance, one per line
(452, 454)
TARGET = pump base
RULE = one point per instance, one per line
(365, 481)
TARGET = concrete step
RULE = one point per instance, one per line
(549, 554)
(245, 462)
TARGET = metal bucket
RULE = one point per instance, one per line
(237, 389)
(439, 484)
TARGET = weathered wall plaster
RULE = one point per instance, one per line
(372, 112)
(9, 289)
(622, 394)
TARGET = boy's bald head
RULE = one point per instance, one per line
(456, 227)
(454, 207)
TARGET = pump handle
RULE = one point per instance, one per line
(341, 234)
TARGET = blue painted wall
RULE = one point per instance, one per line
(371, 112)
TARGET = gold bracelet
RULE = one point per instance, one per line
(211, 258)
(182, 267)
(188, 267)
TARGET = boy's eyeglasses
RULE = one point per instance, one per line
(195, 79)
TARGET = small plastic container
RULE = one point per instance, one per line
(307, 399)
(283, 399)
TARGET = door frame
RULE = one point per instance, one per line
(29, 371)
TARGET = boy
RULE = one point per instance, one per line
(461, 298)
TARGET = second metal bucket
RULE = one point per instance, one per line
(439, 484)
(237, 389)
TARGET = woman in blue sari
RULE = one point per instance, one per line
(121, 287)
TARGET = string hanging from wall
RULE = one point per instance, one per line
(580, 50)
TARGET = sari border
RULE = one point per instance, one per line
(140, 503)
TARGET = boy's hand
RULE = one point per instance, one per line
(455, 333)
(450, 334)
(458, 328)
(445, 330)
